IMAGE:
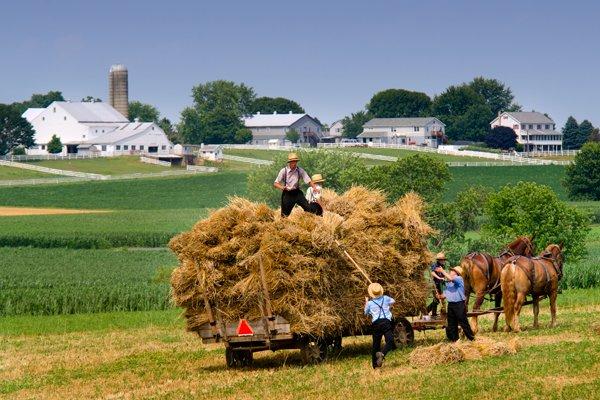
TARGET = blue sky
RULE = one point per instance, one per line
(330, 56)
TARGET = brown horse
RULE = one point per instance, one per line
(538, 277)
(481, 273)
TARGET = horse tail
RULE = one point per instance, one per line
(509, 291)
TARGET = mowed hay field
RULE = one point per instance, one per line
(104, 165)
(149, 355)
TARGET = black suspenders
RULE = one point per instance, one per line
(285, 176)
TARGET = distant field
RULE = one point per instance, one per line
(121, 228)
(189, 192)
(62, 281)
(496, 177)
(103, 165)
(11, 173)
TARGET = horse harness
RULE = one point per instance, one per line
(531, 273)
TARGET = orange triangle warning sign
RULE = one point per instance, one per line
(244, 328)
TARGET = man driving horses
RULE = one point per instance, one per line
(438, 281)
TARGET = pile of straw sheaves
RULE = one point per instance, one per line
(310, 281)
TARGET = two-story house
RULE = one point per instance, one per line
(426, 131)
(535, 131)
(272, 128)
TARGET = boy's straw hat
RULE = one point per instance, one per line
(293, 157)
(458, 270)
(317, 178)
(375, 290)
(440, 256)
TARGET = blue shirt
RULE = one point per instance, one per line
(455, 290)
(379, 307)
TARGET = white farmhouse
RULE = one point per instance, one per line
(272, 128)
(535, 131)
(427, 131)
(334, 135)
(86, 127)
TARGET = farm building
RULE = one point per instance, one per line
(334, 134)
(267, 128)
(535, 131)
(93, 128)
(210, 152)
(427, 131)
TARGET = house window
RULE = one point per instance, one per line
(539, 126)
(126, 147)
(530, 126)
(163, 147)
(84, 136)
(118, 147)
(65, 118)
(393, 129)
(43, 147)
(141, 147)
(103, 147)
(53, 109)
(415, 128)
(43, 118)
(152, 128)
(547, 126)
(133, 147)
(96, 130)
(102, 130)
(523, 126)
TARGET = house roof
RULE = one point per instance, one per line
(262, 120)
(531, 117)
(97, 112)
(123, 132)
(31, 113)
(417, 121)
(373, 134)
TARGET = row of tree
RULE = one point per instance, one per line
(576, 135)
(466, 109)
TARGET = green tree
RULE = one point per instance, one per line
(582, 178)
(528, 208)
(464, 112)
(497, 96)
(292, 135)
(338, 168)
(167, 127)
(143, 112)
(54, 145)
(595, 136)
(38, 101)
(15, 131)
(419, 173)
(280, 105)
(216, 114)
(397, 103)
(501, 137)
(585, 131)
(91, 99)
(353, 124)
(570, 133)
(18, 151)
(243, 135)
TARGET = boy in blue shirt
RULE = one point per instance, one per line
(457, 311)
(378, 308)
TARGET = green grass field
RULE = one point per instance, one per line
(103, 165)
(149, 355)
(63, 281)
(11, 173)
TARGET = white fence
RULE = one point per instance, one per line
(42, 157)
(53, 171)
(41, 181)
(555, 153)
(201, 168)
(155, 161)
(247, 160)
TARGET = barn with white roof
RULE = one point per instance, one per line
(88, 127)
(272, 128)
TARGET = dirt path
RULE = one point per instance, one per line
(18, 211)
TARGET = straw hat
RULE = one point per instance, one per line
(317, 178)
(293, 157)
(458, 270)
(440, 256)
(375, 290)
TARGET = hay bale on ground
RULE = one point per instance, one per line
(310, 281)
(449, 353)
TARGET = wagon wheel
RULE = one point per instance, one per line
(314, 352)
(404, 334)
(336, 344)
(238, 358)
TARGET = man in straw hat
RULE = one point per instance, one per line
(288, 181)
(379, 310)
(438, 281)
(314, 196)
(457, 309)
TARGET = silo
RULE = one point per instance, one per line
(118, 91)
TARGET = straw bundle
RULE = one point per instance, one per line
(449, 353)
(310, 282)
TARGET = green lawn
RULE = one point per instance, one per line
(149, 355)
(401, 153)
(190, 192)
(11, 173)
(104, 165)
(64, 281)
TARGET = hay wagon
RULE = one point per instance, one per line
(272, 332)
